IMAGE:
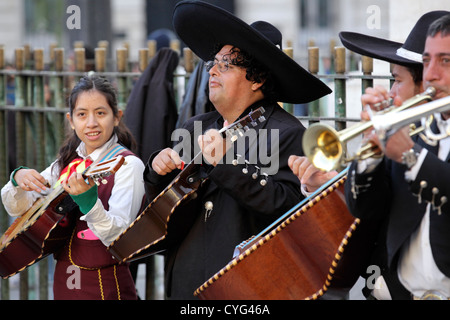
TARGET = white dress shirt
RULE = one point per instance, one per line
(124, 203)
(417, 269)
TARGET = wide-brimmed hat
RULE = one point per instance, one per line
(203, 26)
(405, 54)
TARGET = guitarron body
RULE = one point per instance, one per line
(313, 251)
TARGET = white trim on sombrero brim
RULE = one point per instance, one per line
(410, 55)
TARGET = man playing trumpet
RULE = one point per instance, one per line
(406, 193)
(407, 71)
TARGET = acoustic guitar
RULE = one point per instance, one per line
(315, 250)
(169, 216)
(45, 227)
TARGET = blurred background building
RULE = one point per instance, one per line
(302, 22)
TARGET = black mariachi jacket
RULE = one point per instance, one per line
(385, 197)
(241, 205)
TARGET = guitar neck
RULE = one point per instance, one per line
(235, 130)
(197, 160)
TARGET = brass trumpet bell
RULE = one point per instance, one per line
(325, 147)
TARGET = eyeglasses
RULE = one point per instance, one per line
(222, 65)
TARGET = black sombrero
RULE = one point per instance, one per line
(405, 54)
(203, 26)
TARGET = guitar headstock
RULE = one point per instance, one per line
(238, 128)
(103, 169)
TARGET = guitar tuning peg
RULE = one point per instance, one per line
(262, 118)
(104, 181)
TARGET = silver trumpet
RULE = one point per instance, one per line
(325, 147)
(387, 125)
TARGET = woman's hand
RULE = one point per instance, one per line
(76, 184)
(30, 180)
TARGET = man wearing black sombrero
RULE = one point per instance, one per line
(406, 60)
(241, 193)
(406, 191)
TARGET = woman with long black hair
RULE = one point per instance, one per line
(84, 268)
